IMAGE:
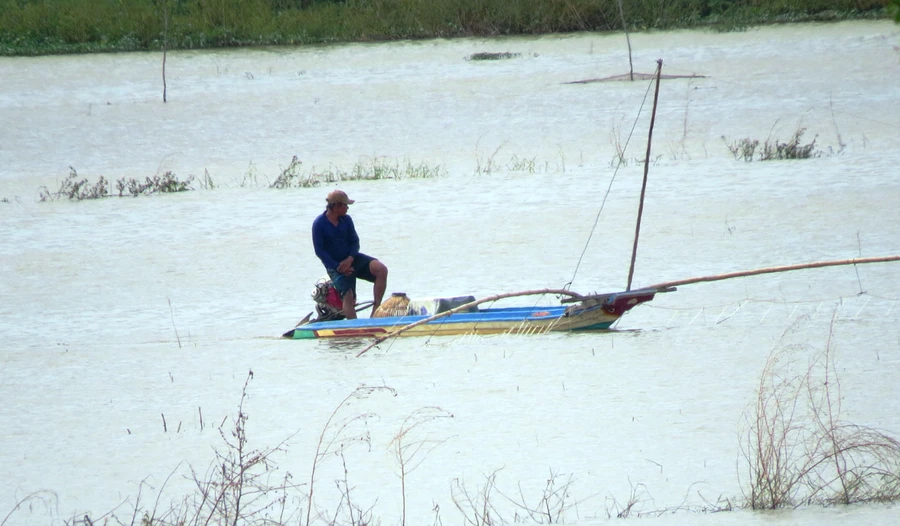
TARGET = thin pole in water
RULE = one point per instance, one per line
(637, 229)
(165, 45)
(628, 40)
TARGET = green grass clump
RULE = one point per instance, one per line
(773, 150)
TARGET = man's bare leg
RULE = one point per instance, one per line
(380, 271)
(349, 305)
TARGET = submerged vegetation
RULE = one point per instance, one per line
(374, 169)
(772, 149)
(31, 27)
(486, 55)
(76, 188)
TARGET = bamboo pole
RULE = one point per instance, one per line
(637, 228)
(469, 305)
(770, 270)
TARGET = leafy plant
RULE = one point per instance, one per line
(290, 176)
(76, 189)
(79, 189)
(374, 169)
(165, 183)
(743, 149)
(492, 56)
(521, 164)
(748, 149)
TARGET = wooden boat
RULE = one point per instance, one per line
(589, 313)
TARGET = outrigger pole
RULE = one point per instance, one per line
(637, 229)
(772, 270)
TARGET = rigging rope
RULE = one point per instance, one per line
(609, 188)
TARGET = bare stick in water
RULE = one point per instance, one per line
(467, 306)
(770, 270)
(628, 40)
(165, 44)
(172, 315)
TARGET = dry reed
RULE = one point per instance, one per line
(798, 448)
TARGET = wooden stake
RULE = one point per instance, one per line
(628, 40)
(467, 306)
(165, 47)
(770, 270)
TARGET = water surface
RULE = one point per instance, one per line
(118, 313)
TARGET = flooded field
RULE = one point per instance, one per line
(131, 324)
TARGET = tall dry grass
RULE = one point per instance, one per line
(799, 448)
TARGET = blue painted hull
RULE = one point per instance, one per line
(593, 313)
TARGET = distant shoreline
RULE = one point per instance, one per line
(76, 26)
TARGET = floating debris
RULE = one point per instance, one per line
(492, 56)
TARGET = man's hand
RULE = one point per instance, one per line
(346, 266)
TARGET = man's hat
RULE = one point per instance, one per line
(338, 196)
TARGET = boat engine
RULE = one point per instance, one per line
(329, 306)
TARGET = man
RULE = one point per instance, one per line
(337, 245)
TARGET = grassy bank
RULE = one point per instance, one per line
(36, 27)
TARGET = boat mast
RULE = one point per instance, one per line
(637, 229)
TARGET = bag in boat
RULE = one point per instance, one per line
(399, 304)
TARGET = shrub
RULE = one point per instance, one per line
(375, 169)
(747, 149)
(798, 448)
(78, 189)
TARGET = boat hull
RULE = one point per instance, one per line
(594, 313)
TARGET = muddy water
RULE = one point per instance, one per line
(120, 313)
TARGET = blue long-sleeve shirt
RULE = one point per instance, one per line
(334, 243)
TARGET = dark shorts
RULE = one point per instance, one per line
(345, 284)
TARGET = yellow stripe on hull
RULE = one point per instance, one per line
(592, 313)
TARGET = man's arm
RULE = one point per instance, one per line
(318, 238)
(354, 239)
